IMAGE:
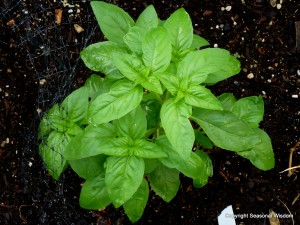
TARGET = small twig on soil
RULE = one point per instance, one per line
(287, 210)
(20, 214)
(291, 168)
(296, 199)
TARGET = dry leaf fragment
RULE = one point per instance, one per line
(273, 218)
(78, 28)
(10, 23)
(58, 16)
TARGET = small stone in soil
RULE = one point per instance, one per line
(250, 76)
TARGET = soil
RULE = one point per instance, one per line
(40, 65)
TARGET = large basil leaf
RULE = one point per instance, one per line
(93, 141)
(133, 39)
(225, 129)
(52, 153)
(98, 57)
(199, 96)
(156, 48)
(261, 155)
(180, 29)
(175, 121)
(75, 105)
(88, 167)
(135, 206)
(120, 100)
(148, 18)
(114, 22)
(165, 182)
(227, 100)
(146, 149)
(250, 110)
(133, 124)
(123, 177)
(94, 194)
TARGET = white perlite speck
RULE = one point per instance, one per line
(250, 76)
(228, 8)
(295, 96)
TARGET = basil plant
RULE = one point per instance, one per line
(146, 115)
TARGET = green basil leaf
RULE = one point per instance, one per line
(150, 165)
(151, 108)
(97, 85)
(114, 22)
(261, 155)
(180, 29)
(88, 167)
(219, 65)
(156, 48)
(135, 206)
(73, 129)
(250, 110)
(170, 81)
(98, 57)
(165, 182)
(146, 149)
(133, 124)
(52, 153)
(52, 120)
(198, 42)
(148, 18)
(93, 141)
(121, 99)
(133, 39)
(225, 129)
(75, 105)
(94, 194)
(207, 171)
(175, 121)
(199, 96)
(227, 100)
(123, 177)
(203, 140)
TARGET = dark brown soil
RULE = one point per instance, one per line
(33, 47)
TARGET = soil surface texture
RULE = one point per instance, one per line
(40, 65)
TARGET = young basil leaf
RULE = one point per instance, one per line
(94, 194)
(227, 100)
(52, 151)
(170, 81)
(250, 110)
(114, 22)
(133, 124)
(52, 120)
(146, 149)
(123, 177)
(93, 141)
(133, 39)
(198, 42)
(199, 96)
(75, 105)
(97, 85)
(73, 129)
(180, 29)
(98, 57)
(225, 129)
(148, 18)
(207, 172)
(165, 182)
(135, 206)
(151, 108)
(261, 155)
(120, 100)
(156, 48)
(88, 167)
(203, 140)
(174, 118)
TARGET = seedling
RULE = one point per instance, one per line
(135, 125)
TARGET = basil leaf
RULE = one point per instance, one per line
(88, 167)
(225, 129)
(150, 165)
(123, 177)
(120, 100)
(261, 155)
(170, 81)
(151, 109)
(148, 18)
(250, 110)
(227, 100)
(98, 57)
(113, 21)
(174, 118)
(146, 149)
(202, 178)
(52, 151)
(180, 29)
(156, 48)
(133, 39)
(52, 120)
(165, 182)
(94, 194)
(198, 42)
(199, 96)
(135, 206)
(203, 140)
(133, 124)
(93, 141)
